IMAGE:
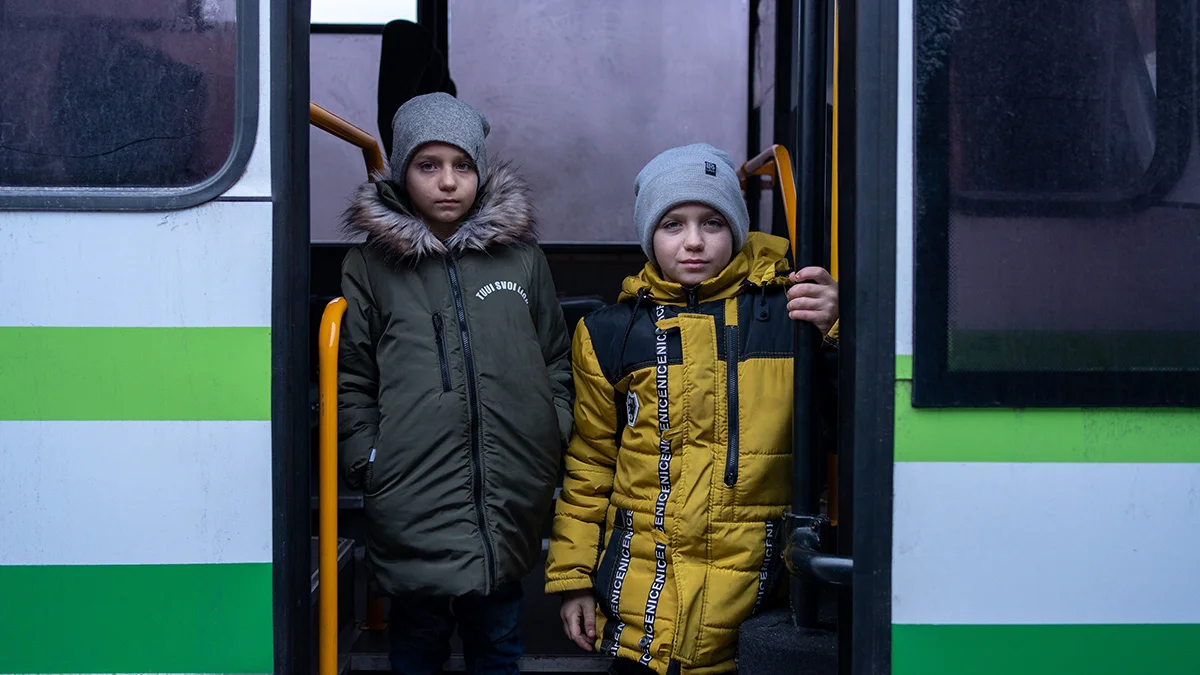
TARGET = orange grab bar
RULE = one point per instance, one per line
(327, 121)
(331, 322)
(776, 160)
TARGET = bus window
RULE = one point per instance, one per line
(581, 95)
(1063, 121)
(1058, 215)
(120, 94)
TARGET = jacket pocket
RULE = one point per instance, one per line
(614, 565)
(439, 334)
(369, 473)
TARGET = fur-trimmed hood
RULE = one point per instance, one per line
(502, 216)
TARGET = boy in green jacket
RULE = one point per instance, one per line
(455, 389)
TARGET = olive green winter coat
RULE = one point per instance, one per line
(455, 391)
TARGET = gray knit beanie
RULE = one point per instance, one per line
(692, 173)
(438, 117)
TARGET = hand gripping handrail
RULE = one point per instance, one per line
(776, 164)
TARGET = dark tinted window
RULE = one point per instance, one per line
(1058, 214)
(117, 93)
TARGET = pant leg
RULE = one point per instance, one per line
(490, 628)
(419, 630)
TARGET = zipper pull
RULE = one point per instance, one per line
(731, 475)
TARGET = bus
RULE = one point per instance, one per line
(1007, 193)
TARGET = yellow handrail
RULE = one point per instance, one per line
(327, 369)
(832, 473)
(776, 160)
(331, 322)
(327, 121)
(833, 192)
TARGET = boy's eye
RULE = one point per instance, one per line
(714, 224)
(464, 166)
(428, 166)
(671, 225)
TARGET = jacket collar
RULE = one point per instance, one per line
(502, 215)
(761, 262)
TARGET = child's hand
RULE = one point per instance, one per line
(579, 607)
(813, 298)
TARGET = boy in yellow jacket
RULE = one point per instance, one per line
(667, 531)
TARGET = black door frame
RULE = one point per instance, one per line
(290, 440)
(868, 342)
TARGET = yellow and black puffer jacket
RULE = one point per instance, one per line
(678, 472)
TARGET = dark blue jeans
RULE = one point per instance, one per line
(420, 628)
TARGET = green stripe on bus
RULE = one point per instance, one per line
(136, 619)
(1043, 434)
(135, 373)
(1165, 649)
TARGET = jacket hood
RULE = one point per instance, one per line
(502, 216)
(762, 262)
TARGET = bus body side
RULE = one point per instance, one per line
(135, 371)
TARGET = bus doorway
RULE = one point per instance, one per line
(580, 98)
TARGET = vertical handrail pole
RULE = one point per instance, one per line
(810, 210)
(327, 372)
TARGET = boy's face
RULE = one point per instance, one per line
(441, 182)
(692, 243)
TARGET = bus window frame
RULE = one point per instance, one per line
(120, 198)
(935, 385)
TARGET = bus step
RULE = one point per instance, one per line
(345, 555)
(770, 644)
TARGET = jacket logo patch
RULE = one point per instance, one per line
(710, 168)
(502, 286)
(632, 408)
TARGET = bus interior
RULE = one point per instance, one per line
(579, 97)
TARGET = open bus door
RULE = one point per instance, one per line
(852, 628)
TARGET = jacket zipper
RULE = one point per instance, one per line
(731, 398)
(693, 305)
(441, 346)
(370, 477)
(473, 415)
